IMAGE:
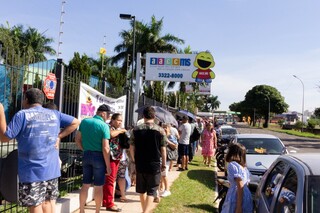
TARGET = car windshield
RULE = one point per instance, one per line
(229, 131)
(262, 145)
(313, 193)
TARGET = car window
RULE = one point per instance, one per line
(273, 182)
(230, 131)
(286, 201)
(313, 193)
(262, 145)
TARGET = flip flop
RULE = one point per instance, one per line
(114, 209)
(123, 200)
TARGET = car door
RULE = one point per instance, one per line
(286, 197)
(270, 186)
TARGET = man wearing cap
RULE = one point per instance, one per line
(93, 138)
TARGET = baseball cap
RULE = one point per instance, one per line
(105, 108)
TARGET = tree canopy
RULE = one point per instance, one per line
(29, 44)
(257, 102)
(148, 39)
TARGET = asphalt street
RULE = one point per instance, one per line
(293, 143)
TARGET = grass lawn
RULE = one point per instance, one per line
(277, 128)
(193, 191)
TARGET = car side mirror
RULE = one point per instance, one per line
(258, 163)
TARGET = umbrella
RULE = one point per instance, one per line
(162, 115)
(187, 113)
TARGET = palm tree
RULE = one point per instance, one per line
(148, 39)
(25, 43)
(36, 45)
(212, 103)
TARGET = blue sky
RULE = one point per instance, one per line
(253, 41)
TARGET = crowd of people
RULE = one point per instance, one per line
(155, 149)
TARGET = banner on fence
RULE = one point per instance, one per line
(90, 99)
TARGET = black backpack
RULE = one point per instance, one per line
(195, 135)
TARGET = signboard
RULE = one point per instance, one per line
(90, 99)
(203, 89)
(49, 85)
(180, 67)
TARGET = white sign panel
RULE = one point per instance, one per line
(203, 89)
(90, 99)
(180, 67)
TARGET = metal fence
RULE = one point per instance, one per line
(16, 76)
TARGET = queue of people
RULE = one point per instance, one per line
(109, 167)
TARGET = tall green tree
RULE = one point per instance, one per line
(36, 44)
(29, 46)
(148, 39)
(80, 63)
(256, 103)
(317, 112)
(212, 103)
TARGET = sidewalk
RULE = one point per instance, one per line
(133, 203)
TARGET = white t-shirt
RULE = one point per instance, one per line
(174, 131)
(185, 132)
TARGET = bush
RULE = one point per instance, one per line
(281, 122)
(312, 123)
(298, 125)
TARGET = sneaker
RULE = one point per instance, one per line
(165, 193)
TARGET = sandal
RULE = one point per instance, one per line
(114, 209)
(123, 200)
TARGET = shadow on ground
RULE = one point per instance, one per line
(206, 177)
(204, 207)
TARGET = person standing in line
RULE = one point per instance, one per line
(37, 131)
(200, 125)
(147, 147)
(115, 157)
(208, 143)
(174, 131)
(218, 133)
(173, 137)
(93, 139)
(193, 143)
(123, 179)
(183, 147)
(238, 198)
(172, 146)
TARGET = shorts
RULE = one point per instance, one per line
(165, 172)
(147, 183)
(94, 168)
(33, 194)
(183, 149)
(122, 169)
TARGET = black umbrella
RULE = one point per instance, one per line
(187, 113)
(162, 115)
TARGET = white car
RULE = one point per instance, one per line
(262, 148)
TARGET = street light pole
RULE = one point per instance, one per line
(133, 18)
(302, 96)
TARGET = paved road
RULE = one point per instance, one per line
(293, 143)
